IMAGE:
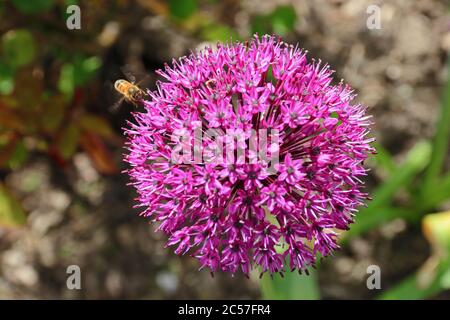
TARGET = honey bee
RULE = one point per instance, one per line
(129, 90)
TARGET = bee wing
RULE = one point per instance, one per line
(116, 105)
(127, 70)
(108, 86)
(137, 76)
(114, 98)
(145, 84)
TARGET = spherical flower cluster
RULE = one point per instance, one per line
(274, 212)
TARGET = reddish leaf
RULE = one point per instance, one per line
(10, 119)
(6, 152)
(98, 152)
(95, 124)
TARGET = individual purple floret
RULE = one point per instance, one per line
(233, 210)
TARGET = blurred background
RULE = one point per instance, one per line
(64, 200)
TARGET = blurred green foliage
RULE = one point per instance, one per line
(182, 9)
(423, 177)
(280, 21)
(19, 48)
(291, 286)
(77, 72)
(43, 103)
(33, 7)
(11, 212)
(434, 275)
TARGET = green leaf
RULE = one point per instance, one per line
(182, 9)
(413, 287)
(269, 75)
(68, 142)
(53, 113)
(384, 159)
(367, 219)
(77, 73)
(409, 289)
(445, 280)
(85, 69)
(416, 160)
(18, 47)
(19, 156)
(33, 6)
(434, 275)
(11, 212)
(439, 192)
(261, 24)
(6, 79)
(66, 83)
(96, 124)
(378, 210)
(292, 286)
(283, 19)
(219, 32)
(440, 143)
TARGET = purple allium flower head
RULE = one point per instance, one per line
(245, 211)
